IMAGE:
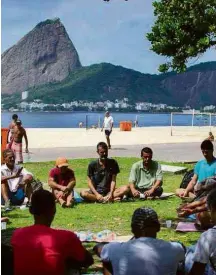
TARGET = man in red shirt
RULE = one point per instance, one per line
(39, 249)
(62, 181)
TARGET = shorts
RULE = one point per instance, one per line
(107, 133)
(16, 198)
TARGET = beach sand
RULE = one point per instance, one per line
(74, 137)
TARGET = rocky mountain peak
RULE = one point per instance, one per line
(44, 55)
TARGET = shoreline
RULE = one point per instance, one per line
(80, 137)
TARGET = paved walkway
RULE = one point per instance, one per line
(184, 152)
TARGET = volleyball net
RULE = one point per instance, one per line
(92, 121)
(192, 124)
(179, 124)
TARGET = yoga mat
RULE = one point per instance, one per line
(187, 227)
(166, 195)
(162, 197)
(122, 239)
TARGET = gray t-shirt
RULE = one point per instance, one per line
(205, 251)
(147, 256)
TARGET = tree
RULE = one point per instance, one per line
(183, 29)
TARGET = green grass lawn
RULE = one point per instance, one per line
(116, 216)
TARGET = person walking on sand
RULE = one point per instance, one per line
(18, 134)
(107, 126)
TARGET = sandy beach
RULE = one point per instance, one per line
(53, 138)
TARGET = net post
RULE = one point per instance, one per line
(136, 119)
(86, 122)
(210, 120)
(171, 122)
(99, 120)
(193, 118)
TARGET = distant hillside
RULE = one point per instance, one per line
(196, 87)
(103, 82)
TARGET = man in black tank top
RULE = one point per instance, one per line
(102, 174)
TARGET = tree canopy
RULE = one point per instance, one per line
(183, 29)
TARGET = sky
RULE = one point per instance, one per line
(101, 31)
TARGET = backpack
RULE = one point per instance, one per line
(187, 178)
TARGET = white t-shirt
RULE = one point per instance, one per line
(13, 183)
(205, 251)
(108, 121)
(147, 256)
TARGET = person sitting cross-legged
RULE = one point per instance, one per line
(146, 176)
(205, 249)
(41, 250)
(62, 181)
(102, 174)
(198, 207)
(203, 169)
(144, 253)
(15, 182)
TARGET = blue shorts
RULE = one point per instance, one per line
(16, 198)
(192, 217)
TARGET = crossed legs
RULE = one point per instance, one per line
(64, 200)
(26, 185)
(118, 194)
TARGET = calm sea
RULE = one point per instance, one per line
(72, 119)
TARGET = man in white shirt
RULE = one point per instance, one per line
(143, 254)
(107, 126)
(205, 251)
(15, 182)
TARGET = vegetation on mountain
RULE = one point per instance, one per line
(47, 22)
(183, 29)
(102, 82)
(105, 81)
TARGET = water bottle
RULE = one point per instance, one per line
(89, 237)
(82, 236)
(3, 225)
(103, 235)
(23, 207)
(142, 196)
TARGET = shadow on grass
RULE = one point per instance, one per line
(6, 236)
(16, 216)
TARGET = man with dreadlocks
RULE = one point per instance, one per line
(144, 253)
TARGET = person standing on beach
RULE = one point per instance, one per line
(108, 125)
(11, 128)
(18, 134)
